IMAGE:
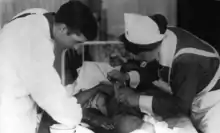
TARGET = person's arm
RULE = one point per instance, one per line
(184, 86)
(96, 119)
(45, 86)
(84, 96)
(134, 79)
(130, 68)
(141, 75)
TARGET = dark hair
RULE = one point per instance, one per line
(79, 18)
(161, 21)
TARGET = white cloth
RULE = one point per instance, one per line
(32, 10)
(90, 75)
(27, 77)
(57, 128)
(167, 53)
(210, 123)
(162, 127)
(134, 79)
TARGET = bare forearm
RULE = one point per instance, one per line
(84, 96)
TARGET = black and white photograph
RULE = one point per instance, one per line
(109, 66)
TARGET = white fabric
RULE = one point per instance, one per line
(163, 86)
(146, 101)
(134, 78)
(197, 52)
(162, 127)
(90, 75)
(141, 29)
(27, 77)
(167, 52)
(57, 128)
(32, 10)
(210, 123)
(81, 129)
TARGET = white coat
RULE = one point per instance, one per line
(32, 10)
(27, 78)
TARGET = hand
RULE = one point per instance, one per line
(128, 96)
(107, 126)
(118, 76)
(104, 122)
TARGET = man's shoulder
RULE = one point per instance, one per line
(32, 11)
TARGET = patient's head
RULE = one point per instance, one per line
(116, 60)
(101, 103)
(128, 123)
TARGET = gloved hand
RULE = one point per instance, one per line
(116, 75)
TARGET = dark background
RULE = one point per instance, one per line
(202, 18)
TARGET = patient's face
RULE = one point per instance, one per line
(116, 61)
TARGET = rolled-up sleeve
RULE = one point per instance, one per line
(145, 104)
(134, 78)
(185, 77)
(46, 89)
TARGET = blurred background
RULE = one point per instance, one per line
(201, 17)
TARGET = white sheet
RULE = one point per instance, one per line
(90, 75)
(162, 127)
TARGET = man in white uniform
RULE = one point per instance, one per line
(29, 46)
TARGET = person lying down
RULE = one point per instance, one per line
(96, 95)
(100, 107)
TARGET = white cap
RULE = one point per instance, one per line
(141, 29)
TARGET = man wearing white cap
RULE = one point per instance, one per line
(190, 71)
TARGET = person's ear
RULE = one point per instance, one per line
(63, 28)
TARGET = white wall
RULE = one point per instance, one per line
(115, 13)
(165, 7)
(116, 9)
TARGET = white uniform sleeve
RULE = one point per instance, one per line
(46, 88)
(32, 10)
(145, 104)
(134, 79)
